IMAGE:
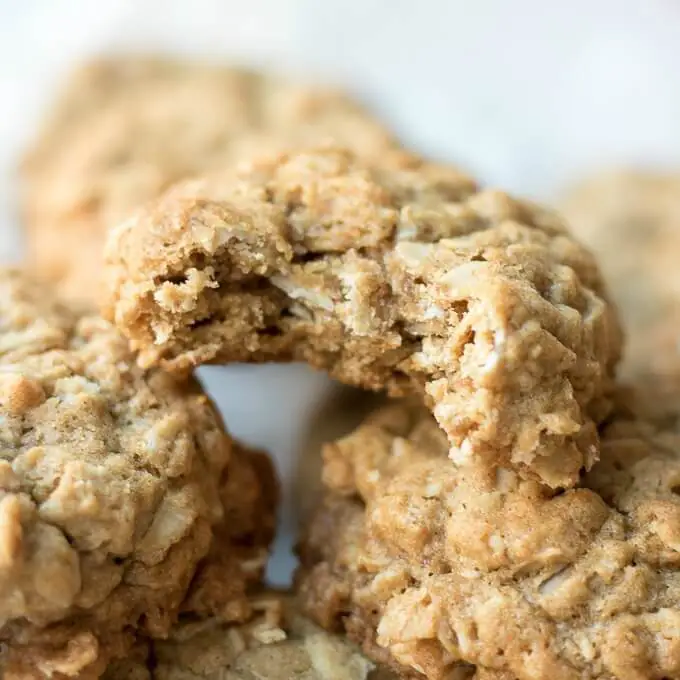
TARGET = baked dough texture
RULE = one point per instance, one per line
(437, 570)
(393, 273)
(123, 502)
(631, 220)
(125, 127)
(277, 644)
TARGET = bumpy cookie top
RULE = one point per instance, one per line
(396, 273)
(112, 482)
(632, 222)
(126, 127)
(279, 644)
(438, 567)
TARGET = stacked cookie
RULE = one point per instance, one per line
(513, 516)
(398, 274)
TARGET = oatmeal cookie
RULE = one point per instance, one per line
(122, 499)
(279, 644)
(435, 568)
(396, 274)
(632, 222)
(124, 128)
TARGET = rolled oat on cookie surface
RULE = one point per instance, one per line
(123, 501)
(433, 567)
(279, 643)
(631, 219)
(126, 127)
(393, 273)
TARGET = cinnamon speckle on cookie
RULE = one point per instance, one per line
(439, 568)
(118, 501)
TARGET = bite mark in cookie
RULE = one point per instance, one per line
(395, 274)
(118, 494)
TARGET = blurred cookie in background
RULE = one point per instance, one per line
(631, 220)
(343, 410)
(124, 503)
(124, 128)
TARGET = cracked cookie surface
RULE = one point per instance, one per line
(396, 274)
(122, 499)
(278, 644)
(434, 568)
(124, 128)
(632, 222)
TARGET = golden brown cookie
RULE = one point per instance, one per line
(632, 222)
(430, 566)
(397, 274)
(124, 128)
(122, 499)
(278, 644)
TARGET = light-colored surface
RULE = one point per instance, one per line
(528, 94)
(268, 406)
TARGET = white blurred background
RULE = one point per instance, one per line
(529, 95)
